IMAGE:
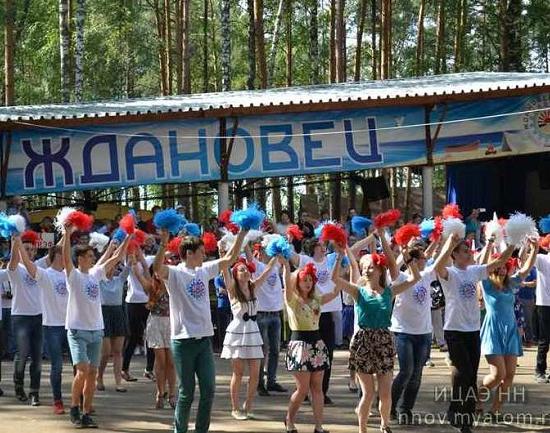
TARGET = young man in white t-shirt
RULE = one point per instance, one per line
(462, 323)
(54, 310)
(26, 318)
(191, 323)
(84, 321)
(542, 297)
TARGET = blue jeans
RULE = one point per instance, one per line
(8, 342)
(28, 339)
(270, 328)
(55, 338)
(412, 353)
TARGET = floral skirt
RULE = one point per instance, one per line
(372, 351)
(306, 354)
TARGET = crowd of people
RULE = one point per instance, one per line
(384, 289)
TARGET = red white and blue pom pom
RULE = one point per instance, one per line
(81, 221)
(174, 245)
(192, 229)
(128, 223)
(250, 218)
(279, 247)
(387, 219)
(119, 235)
(253, 236)
(30, 236)
(170, 220)
(518, 228)
(427, 226)
(332, 232)
(61, 218)
(405, 234)
(210, 242)
(294, 231)
(454, 226)
(451, 210)
(360, 225)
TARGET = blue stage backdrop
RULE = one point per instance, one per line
(55, 159)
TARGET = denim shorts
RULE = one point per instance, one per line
(85, 346)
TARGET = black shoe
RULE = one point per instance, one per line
(262, 392)
(275, 387)
(541, 378)
(1, 392)
(88, 422)
(35, 400)
(75, 417)
(328, 401)
(20, 394)
(320, 431)
(466, 429)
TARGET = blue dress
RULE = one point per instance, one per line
(499, 332)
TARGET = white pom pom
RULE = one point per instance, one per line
(253, 236)
(493, 229)
(19, 222)
(519, 227)
(227, 240)
(268, 238)
(61, 218)
(98, 241)
(454, 225)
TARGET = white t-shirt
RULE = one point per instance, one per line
(324, 282)
(190, 301)
(461, 303)
(542, 263)
(84, 306)
(54, 296)
(270, 293)
(412, 308)
(42, 262)
(27, 295)
(136, 294)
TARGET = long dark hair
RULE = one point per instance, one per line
(237, 289)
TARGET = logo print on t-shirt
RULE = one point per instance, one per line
(60, 288)
(29, 281)
(420, 294)
(196, 288)
(467, 290)
(272, 279)
(92, 290)
(322, 276)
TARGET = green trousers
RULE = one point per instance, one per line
(194, 357)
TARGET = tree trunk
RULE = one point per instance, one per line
(408, 181)
(510, 36)
(289, 43)
(440, 60)
(79, 49)
(186, 60)
(374, 8)
(250, 82)
(168, 42)
(159, 19)
(195, 214)
(290, 197)
(459, 36)
(260, 42)
(275, 40)
(420, 39)
(332, 42)
(386, 39)
(64, 43)
(340, 41)
(9, 53)
(314, 43)
(226, 45)
(205, 48)
(362, 13)
(276, 198)
(178, 51)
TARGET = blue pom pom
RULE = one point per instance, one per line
(171, 220)
(426, 228)
(192, 229)
(360, 225)
(544, 224)
(318, 230)
(279, 247)
(7, 227)
(119, 235)
(331, 260)
(219, 281)
(250, 218)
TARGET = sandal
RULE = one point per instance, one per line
(120, 389)
(172, 401)
(160, 402)
(289, 431)
(127, 377)
(100, 386)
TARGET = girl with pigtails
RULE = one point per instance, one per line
(243, 342)
(307, 355)
(372, 350)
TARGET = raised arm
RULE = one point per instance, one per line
(66, 249)
(158, 265)
(14, 255)
(248, 253)
(341, 283)
(494, 265)
(107, 254)
(142, 274)
(118, 255)
(233, 253)
(359, 246)
(485, 254)
(32, 269)
(355, 273)
(392, 264)
(287, 279)
(530, 262)
(263, 276)
(440, 264)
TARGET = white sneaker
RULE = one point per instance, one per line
(429, 363)
(238, 415)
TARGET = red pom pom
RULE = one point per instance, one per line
(331, 232)
(387, 219)
(310, 270)
(404, 234)
(438, 229)
(232, 227)
(127, 223)
(30, 236)
(133, 246)
(502, 222)
(545, 242)
(451, 211)
(139, 237)
(174, 245)
(379, 259)
(225, 216)
(242, 261)
(210, 242)
(81, 221)
(294, 231)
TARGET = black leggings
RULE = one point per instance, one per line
(137, 320)
(326, 329)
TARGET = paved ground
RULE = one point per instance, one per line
(133, 412)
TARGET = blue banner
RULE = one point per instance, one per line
(58, 159)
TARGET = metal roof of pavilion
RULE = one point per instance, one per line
(368, 93)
